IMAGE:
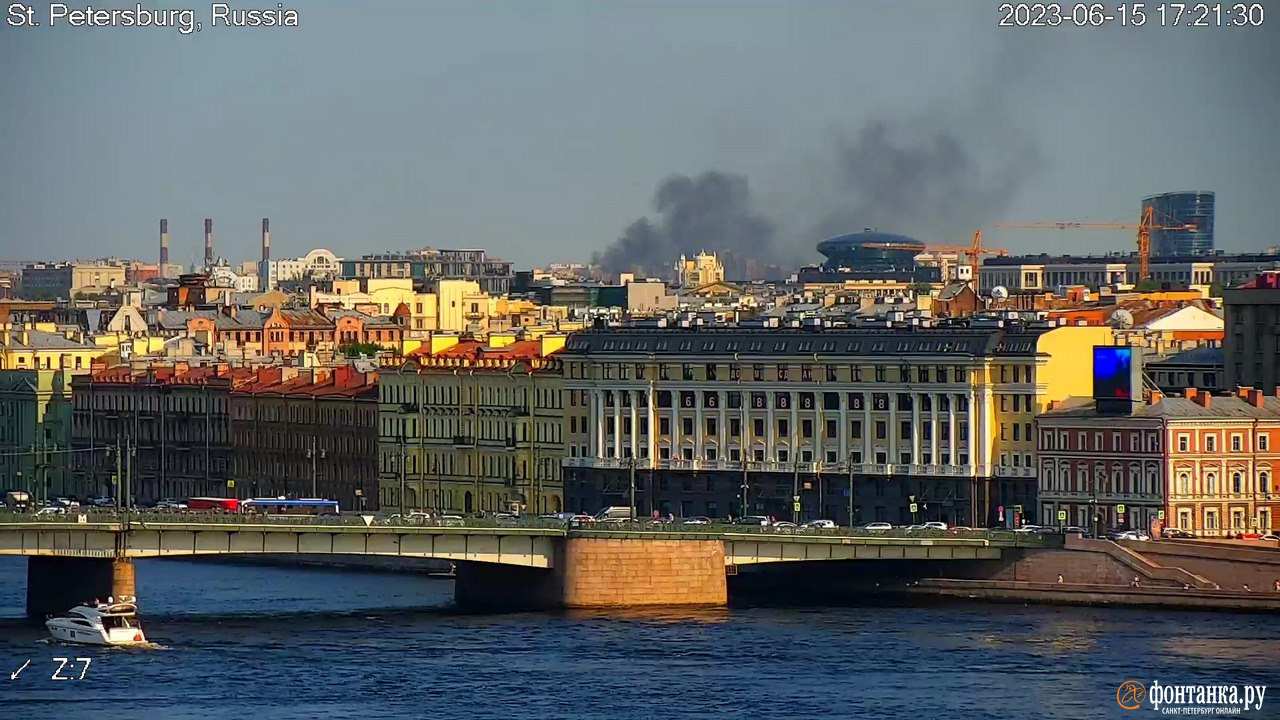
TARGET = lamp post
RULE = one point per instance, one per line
(631, 466)
(314, 454)
(795, 493)
(746, 487)
(850, 490)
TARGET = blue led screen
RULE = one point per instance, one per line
(1113, 373)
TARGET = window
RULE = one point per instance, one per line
(1184, 484)
(1184, 443)
(784, 428)
(1237, 483)
(882, 430)
(1237, 443)
(1210, 443)
(1262, 442)
(1211, 484)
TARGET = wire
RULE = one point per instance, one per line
(54, 451)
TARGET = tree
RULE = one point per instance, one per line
(921, 288)
(1148, 285)
(356, 349)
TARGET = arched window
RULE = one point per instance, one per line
(1264, 481)
(1211, 484)
(1184, 484)
(1237, 483)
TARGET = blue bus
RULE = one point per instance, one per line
(281, 506)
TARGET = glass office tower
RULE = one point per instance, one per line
(1181, 208)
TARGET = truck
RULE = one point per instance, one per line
(614, 512)
(17, 500)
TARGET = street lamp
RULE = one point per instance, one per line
(314, 454)
(402, 470)
(850, 490)
(631, 466)
(746, 487)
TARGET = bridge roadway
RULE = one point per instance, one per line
(108, 535)
(79, 556)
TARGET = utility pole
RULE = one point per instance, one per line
(795, 494)
(851, 491)
(118, 478)
(631, 464)
(745, 486)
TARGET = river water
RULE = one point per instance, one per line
(272, 643)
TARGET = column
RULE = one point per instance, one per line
(675, 424)
(974, 421)
(953, 407)
(634, 398)
(893, 428)
(617, 423)
(842, 413)
(868, 431)
(651, 417)
(933, 428)
(795, 426)
(770, 428)
(598, 399)
(915, 428)
(722, 426)
(699, 427)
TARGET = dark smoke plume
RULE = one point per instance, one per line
(927, 184)
(712, 212)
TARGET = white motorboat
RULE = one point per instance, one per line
(110, 624)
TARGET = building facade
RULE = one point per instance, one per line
(307, 433)
(492, 274)
(48, 281)
(35, 431)
(1046, 272)
(1181, 208)
(807, 424)
(165, 431)
(473, 428)
(1251, 333)
(1201, 463)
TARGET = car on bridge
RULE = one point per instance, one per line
(753, 520)
(821, 525)
(878, 527)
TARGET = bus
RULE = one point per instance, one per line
(203, 503)
(281, 506)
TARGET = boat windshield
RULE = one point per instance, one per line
(115, 622)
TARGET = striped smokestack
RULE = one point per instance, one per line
(208, 242)
(266, 240)
(164, 245)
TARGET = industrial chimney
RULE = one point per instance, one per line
(266, 239)
(164, 246)
(208, 243)
(264, 267)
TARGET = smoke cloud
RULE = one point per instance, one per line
(713, 212)
(929, 184)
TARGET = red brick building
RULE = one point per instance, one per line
(1207, 463)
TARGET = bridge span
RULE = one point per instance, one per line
(500, 564)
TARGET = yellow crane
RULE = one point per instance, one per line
(1144, 227)
(974, 250)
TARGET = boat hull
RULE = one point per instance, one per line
(63, 631)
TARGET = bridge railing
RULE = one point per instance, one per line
(354, 520)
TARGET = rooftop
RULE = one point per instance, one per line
(1225, 407)
(1201, 356)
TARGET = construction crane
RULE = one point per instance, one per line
(975, 251)
(1144, 227)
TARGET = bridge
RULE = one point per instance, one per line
(75, 557)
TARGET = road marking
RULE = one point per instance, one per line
(14, 675)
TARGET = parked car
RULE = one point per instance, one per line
(878, 527)
(1177, 534)
(1269, 536)
(821, 524)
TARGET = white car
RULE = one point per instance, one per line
(699, 520)
(878, 527)
(51, 510)
(821, 524)
(784, 525)
(935, 525)
(1028, 529)
(915, 528)
(1134, 535)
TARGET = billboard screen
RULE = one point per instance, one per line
(1113, 372)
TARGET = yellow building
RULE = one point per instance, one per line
(383, 297)
(44, 346)
(35, 431)
(702, 269)
(473, 427)
(813, 424)
(46, 281)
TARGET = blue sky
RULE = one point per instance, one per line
(540, 130)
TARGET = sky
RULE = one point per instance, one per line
(541, 130)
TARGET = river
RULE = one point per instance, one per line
(280, 643)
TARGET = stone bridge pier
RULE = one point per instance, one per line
(602, 573)
(56, 584)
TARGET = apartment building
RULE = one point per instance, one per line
(474, 427)
(900, 424)
(1202, 463)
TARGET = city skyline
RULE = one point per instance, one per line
(549, 148)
